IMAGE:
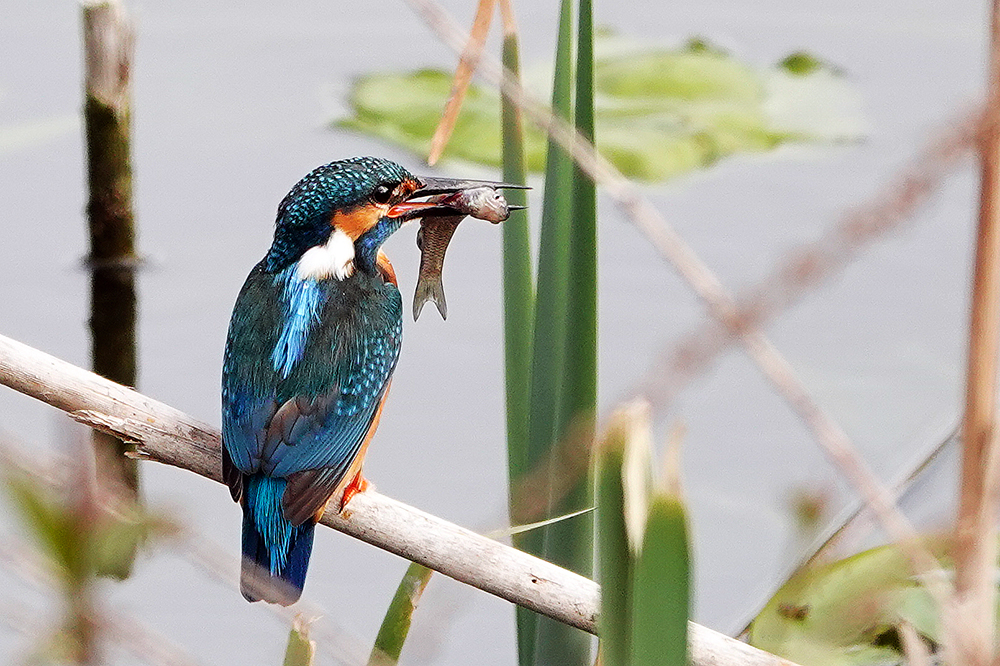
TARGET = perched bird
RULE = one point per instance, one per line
(313, 341)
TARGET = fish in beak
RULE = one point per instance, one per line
(445, 198)
(454, 200)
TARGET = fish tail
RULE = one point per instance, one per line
(275, 552)
(429, 290)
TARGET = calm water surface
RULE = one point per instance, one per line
(230, 105)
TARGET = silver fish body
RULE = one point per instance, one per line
(484, 203)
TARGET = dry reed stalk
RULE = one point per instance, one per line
(463, 76)
(109, 39)
(972, 615)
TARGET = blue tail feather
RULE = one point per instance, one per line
(275, 552)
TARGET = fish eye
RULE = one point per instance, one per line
(383, 192)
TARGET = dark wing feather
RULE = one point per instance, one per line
(307, 492)
(232, 476)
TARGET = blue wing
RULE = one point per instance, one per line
(304, 375)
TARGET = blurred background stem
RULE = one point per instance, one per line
(108, 44)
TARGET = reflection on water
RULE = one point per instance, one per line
(229, 113)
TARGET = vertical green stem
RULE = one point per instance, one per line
(517, 280)
(550, 415)
(518, 310)
(396, 623)
(571, 543)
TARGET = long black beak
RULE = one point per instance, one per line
(438, 204)
(435, 185)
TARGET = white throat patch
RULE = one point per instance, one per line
(335, 258)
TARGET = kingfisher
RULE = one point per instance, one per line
(313, 341)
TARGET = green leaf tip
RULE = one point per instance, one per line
(398, 617)
(301, 650)
(661, 594)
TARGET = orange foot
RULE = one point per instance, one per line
(358, 484)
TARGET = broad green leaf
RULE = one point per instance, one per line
(679, 75)
(571, 543)
(554, 420)
(847, 613)
(396, 623)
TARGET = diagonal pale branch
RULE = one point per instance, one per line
(167, 435)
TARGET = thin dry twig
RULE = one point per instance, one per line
(463, 76)
(807, 267)
(695, 272)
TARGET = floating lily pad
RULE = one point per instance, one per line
(659, 112)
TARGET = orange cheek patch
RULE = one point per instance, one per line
(358, 221)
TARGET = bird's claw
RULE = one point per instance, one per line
(358, 484)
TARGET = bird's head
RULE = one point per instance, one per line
(335, 219)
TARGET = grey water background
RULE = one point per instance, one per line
(231, 104)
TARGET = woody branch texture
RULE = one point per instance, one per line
(167, 435)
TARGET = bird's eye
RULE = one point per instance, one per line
(383, 192)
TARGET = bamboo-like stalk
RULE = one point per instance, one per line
(108, 48)
(169, 436)
(972, 629)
